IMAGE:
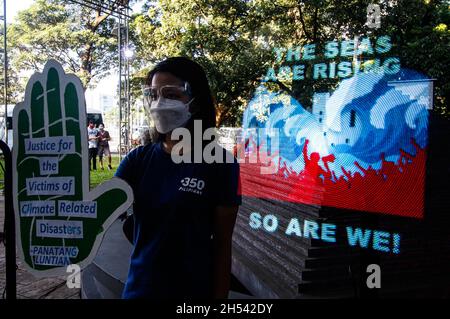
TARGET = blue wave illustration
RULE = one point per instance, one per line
(367, 115)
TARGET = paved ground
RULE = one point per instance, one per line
(29, 287)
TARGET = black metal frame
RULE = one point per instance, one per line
(10, 230)
(114, 8)
(118, 9)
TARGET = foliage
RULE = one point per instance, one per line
(80, 38)
(223, 36)
(234, 40)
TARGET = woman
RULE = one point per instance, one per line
(184, 213)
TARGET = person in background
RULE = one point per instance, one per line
(103, 145)
(92, 143)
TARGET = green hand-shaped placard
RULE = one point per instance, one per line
(59, 221)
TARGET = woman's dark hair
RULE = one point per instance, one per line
(202, 107)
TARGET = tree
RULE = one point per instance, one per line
(15, 86)
(419, 32)
(222, 36)
(234, 41)
(78, 37)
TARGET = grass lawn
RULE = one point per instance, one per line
(96, 177)
(99, 176)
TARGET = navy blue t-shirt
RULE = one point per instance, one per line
(173, 213)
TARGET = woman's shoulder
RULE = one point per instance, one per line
(132, 163)
(141, 151)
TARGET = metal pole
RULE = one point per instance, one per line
(5, 72)
(10, 230)
(119, 39)
(127, 83)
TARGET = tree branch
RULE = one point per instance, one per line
(302, 20)
(283, 87)
(315, 24)
(100, 18)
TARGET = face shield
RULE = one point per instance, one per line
(166, 106)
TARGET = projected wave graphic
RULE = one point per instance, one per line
(362, 147)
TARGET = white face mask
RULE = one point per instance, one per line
(169, 114)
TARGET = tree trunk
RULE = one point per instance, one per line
(86, 65)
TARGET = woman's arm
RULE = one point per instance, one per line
(224, 220)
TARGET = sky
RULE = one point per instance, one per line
(14, 6)
(105, 86)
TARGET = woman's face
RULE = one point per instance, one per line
(161, 79)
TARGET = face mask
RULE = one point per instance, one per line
(169, 114)
(100, 128)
